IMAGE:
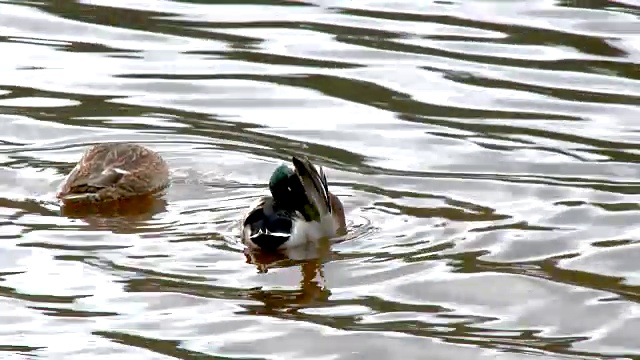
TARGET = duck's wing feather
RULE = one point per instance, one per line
(315, 187)
(109, 177)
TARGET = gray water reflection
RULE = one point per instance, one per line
(486, 153)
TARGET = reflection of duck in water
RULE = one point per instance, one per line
(301, 209)
(115, 171)
(311, 291)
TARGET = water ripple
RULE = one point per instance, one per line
(485, 151)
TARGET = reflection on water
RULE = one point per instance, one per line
(486, 153)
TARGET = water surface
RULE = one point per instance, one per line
(486, 153)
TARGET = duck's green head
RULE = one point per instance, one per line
(288, 191)
(279, 178)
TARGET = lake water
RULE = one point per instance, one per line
(487, 153)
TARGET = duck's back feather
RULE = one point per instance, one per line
(114, 170)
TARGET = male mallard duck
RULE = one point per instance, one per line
(115, 171)
(300, 209)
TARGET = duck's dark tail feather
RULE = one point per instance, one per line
(269, 241)
(315, 188)
(267, 225)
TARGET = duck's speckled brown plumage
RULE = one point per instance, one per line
(115, 171)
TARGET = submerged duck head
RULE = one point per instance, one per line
(301, 209)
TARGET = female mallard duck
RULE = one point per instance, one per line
(300, 209)
(115, 171)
